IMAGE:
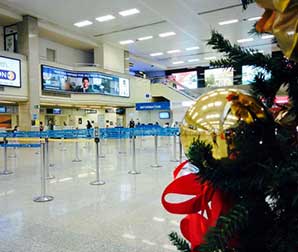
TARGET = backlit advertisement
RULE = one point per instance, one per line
(10, 72)
(219, 77)
(61, 80)
(187, 79)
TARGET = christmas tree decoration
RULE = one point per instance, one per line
(280, 19)
(218, 116)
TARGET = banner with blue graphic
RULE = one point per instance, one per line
(10, 72)
(62, 80)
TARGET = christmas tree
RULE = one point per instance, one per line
(259, 176)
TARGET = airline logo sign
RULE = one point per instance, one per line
(10, 72)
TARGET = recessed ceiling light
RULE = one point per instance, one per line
(210, 58)
(156, 54)
(178, 62)
(254, 18)
(267, 36)
(192, 48)
(166, 34)
(145, 38)
(129, 12)
(126, 42)
(193, 60)
(229, 22)
(245, 40)
(105, 18)
(173, 51)
(83, 23)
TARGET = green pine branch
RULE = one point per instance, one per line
(179, 242)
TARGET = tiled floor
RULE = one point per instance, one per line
(124, 215)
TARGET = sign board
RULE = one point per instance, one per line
(10, 72)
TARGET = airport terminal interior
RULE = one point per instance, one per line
(117, 118)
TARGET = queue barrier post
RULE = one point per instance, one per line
(43, 196)
(48, 176)
(120, 143)
(134, 161)
(98, 180)
(180, 150)
(77, 158)
(174, 159)
(5, 171)
(156, 164)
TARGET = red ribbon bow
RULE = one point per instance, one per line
(203, 209)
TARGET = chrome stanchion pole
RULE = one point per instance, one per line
(98, 180)
(43, 197)
(48, 176)
(14, 149)
(101, 155)
(5, 172)
(180, 151)
(174, 149)
(156, 165)
(134, 161)
(77, 158)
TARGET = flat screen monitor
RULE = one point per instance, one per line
(62, 80)
(250, 72)
(219, 77)
(164, 115)
(56, 111)
(10, 72)
(3, 109)
(187, 79)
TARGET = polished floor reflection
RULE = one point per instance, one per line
(124, 215)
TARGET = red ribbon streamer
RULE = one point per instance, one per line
(203, 209)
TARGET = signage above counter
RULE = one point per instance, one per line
(153, 106)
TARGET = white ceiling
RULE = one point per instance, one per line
(156, 16)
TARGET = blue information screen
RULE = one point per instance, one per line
(62, 80)
(153, 106)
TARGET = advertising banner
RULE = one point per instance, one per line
(61, 80)
(10, 72)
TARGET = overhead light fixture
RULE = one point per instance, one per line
(267, 36)
(129, 12)
(229, 22)
(193, 60)
(210, 58)
(192, 48)
(254, 18)
(245, 40)
(145, 38)
(290, 33)
(173, 51)
(83, 23)
(178, 62)
(166, 34)
(126, 42)
(156, 54)
(105, 18)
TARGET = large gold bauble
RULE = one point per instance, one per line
(217, 116)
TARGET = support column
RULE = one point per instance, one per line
(28, 45)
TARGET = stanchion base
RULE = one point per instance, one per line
(51, 165)
(62, 149)
(174, 160)
(5, 173)
(121, 152)
(134, 172)
(12, 156)
(100, 182)
(76, 160)
(156, 166)
(44, 198)
(37, 153)
(50, 177)
(101, 156)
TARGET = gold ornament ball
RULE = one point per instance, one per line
(217, 116)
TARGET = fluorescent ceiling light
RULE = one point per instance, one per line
(245, 40)
(229, 22)
(267, 36)
(192, 48)
(126, 42)
(156, 54)
(83, 23)
(166, 34)
(178, 62)
(193, 60)
(105, 18)
(210, 58)
(129, 12)
(173, 51)
(145, 38)
(254, 18)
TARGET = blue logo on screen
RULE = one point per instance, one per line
(7, 75)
